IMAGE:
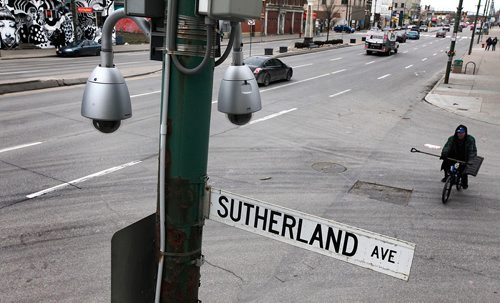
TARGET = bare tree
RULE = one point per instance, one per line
(332, 12)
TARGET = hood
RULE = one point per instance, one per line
(460, 126)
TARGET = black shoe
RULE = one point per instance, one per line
(444, 179)
(465, 186)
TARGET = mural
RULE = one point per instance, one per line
(48, 23)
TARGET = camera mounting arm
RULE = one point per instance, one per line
(107, 34)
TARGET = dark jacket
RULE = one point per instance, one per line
(463, 150)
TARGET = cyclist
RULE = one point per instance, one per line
(460, 146)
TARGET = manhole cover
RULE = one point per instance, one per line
(329, 167)
(384, 193)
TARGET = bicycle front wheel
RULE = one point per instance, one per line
(447, 189)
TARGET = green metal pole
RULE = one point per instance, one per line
(451, 52)
(474, 28)
(188, 124)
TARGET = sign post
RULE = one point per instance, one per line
(251, 23)
(364, 248)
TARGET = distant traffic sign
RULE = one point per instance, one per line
(251, 22)
(350, 244)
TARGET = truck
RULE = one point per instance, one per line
(381, 42)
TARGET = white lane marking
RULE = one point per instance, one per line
(22, 72)
(425, 59)
(384, 76)
(405, 52)
(335, 59)
(133, 62)
(339, 71)
(303, 65)
(145, 94)
(369, 62)
(215, 101)
(342, 92)
(272, 116)
(409, 66)
(434, 54)
(80, 180)
(296, 82)
(432, 146)
(19, 146)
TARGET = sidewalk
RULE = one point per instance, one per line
(476, 96)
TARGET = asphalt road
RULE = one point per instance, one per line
(342, 109)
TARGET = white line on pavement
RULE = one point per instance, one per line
(272, 116)
(215, 101)
(434, 54)
(22, 72)
(342, 92)
(409, 66)
(405, 52)
(339, 71)
(425, 59)
(303, 65)
(293, 83)
(384, 76)
(80, 180)
(145, 94)
(335, 59)
(19, 146)
(369, 62)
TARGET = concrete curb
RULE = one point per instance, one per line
(9, 88)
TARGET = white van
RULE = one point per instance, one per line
(381, 42)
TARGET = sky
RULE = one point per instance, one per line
(451, 5)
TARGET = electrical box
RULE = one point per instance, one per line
(145, 8)
(234, 10)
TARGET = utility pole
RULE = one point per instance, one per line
(451, 52)
(479, 37)
(186, 156)
(475, 24)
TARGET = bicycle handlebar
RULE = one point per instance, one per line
(414, 150)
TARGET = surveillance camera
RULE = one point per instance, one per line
(239, 119)
(106, 127)
(106, 99)
(239, 95)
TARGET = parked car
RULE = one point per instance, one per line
(343, 28)
(441, 34)
(80, 48)
(446, 27)
(424, 28)
(413, 35)
(268, 69)
(401, 37)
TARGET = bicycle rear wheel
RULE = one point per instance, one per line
(447, 190)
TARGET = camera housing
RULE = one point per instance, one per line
(106, 99)
(239, 94)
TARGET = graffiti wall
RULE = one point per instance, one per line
(49, 23)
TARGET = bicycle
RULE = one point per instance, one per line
(454, 178)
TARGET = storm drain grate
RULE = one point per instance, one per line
(329, 167)
(383, 193)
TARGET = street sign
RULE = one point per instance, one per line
(251, 22)
(350, 244)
